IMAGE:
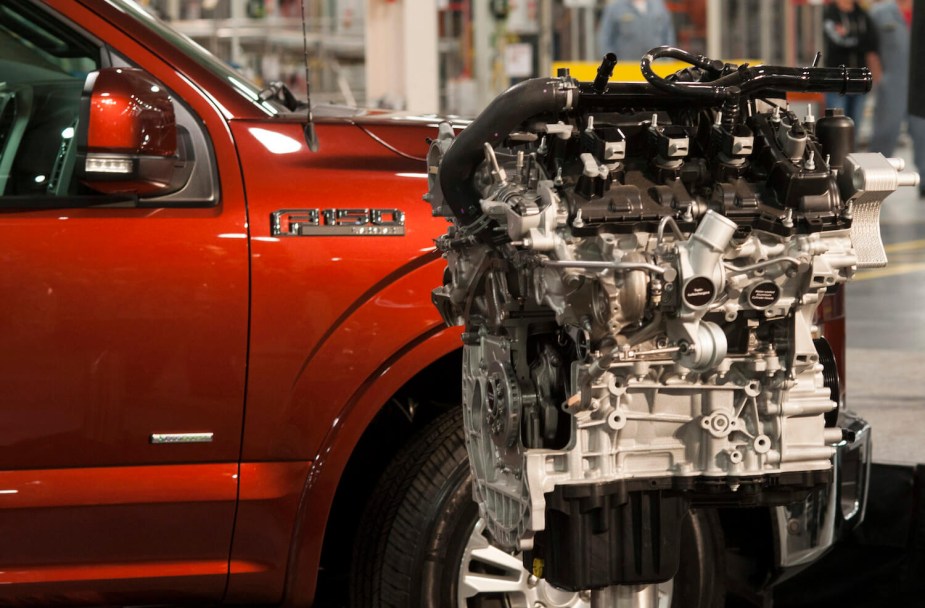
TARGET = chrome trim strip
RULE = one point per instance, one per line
(181, 437)
(337, 222)
(804, 533)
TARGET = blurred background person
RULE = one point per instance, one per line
(850, 40)
(892, 19)
(630, 28)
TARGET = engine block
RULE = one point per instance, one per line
(638, 269)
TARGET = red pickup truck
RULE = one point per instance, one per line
(213, 339)
(223, 379)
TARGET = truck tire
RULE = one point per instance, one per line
(420, 542)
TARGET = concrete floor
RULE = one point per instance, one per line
(886, 334)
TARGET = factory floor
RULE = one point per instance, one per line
(886, 333)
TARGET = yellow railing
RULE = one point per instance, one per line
(628, 71)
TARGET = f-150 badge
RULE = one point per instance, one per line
(337, 222)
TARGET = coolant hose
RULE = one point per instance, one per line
(750, 80)
(519, 103)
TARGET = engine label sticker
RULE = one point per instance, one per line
(764, 294)
(699, 292)
(337, 222)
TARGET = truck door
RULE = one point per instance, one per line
(123, 342)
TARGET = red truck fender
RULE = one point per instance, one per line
(328, 466)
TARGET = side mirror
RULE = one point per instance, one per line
(127, 134)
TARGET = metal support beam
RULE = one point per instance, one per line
(715, 29)
(590, 37)
(790, 42)
(483, 56)
(402, 67)
(544, 51)
(765, 33)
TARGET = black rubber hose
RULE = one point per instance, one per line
(699, 61)
(604, 72)
(519, 103)
(754, 80)
(707, 90)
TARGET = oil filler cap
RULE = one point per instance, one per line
(764, 294)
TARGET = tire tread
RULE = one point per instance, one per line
(393, 531)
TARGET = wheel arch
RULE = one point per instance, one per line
(369, 425)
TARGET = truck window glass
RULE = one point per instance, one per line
(43, 66)
(241, 84)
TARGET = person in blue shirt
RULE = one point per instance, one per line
(851, 41)
(892, 20)
(630, 28)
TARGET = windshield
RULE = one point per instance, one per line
(194, 51)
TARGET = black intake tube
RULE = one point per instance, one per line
(519, 103)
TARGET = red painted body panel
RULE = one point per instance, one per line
(55, 488)
(338, 323)
(119, 323)
(138, 308)
(269, 501)
(71, 533)
(115, 324)
(327, 310)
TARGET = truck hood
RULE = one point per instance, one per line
(401, 132)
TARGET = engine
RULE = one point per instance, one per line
(638, 268)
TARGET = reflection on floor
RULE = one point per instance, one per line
(886, 334)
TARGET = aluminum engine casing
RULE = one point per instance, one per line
(638, 278)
